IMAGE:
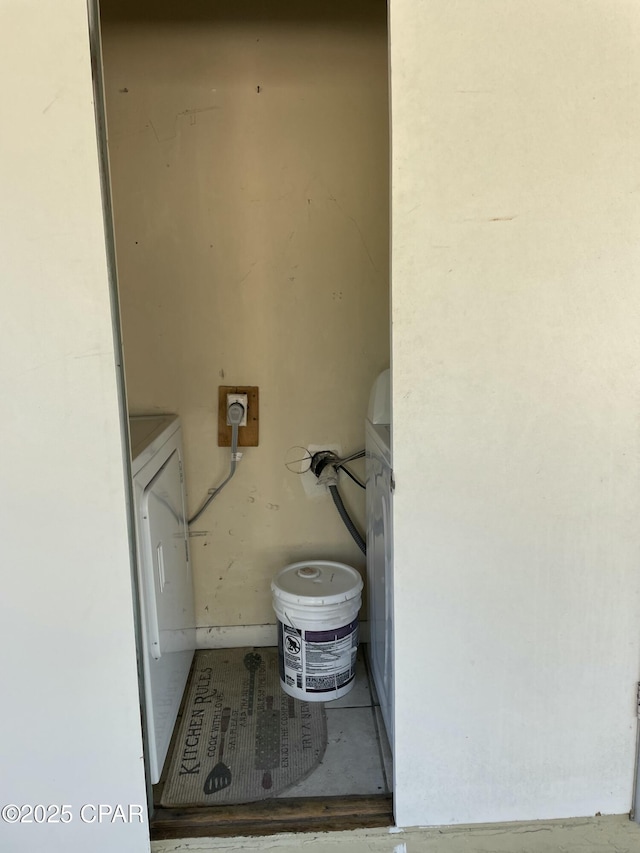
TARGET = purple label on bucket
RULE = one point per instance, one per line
(333, 634)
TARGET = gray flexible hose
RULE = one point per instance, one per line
(344, 515)
(234, 462)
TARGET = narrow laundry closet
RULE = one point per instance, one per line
(248, 150)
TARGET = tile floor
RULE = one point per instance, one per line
(357, 759)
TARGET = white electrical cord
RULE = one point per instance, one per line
(235, 413)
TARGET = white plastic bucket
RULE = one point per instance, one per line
(317, 606)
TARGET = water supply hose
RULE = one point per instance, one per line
(344, 515)
(325, 466)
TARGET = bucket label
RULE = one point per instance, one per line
(318, 661)
(330, 658)
(292, 645)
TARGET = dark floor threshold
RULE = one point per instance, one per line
(268, 817)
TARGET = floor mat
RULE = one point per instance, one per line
(241, 738)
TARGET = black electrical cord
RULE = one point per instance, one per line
(352, 475)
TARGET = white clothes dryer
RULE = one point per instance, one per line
(164, 576)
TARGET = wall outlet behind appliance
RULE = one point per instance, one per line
(248, 436)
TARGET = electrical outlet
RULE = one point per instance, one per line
(248, 435)
(243, 399)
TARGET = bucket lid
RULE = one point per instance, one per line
(330, 583)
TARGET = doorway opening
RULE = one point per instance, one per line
(248, 147)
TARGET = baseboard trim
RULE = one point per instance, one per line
(236, 636)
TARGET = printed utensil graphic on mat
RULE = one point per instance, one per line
(220, 776)
(252, 662)
(267, 741)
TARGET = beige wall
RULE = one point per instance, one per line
(252, 239)
(516, 358)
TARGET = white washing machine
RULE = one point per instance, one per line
(380, 544)
(164, 576)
